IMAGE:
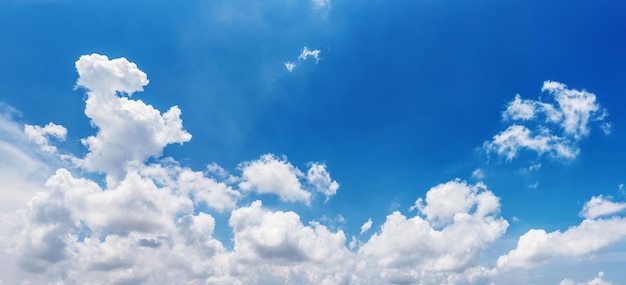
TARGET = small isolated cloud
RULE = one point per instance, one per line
(599, 206)
(366, 226)
(606, 127)
(304, 55)
(595, 281)
(289, 66)
(478, 174)
(553, 128)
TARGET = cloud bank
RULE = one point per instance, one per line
(154, 220)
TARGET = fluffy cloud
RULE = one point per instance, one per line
(121, 122)
(274, 175)
(538, 246)
(599, 206)
(417, 248)
(554, 127)
(516, 137)
(318, 177)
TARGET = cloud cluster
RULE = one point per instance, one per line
(154, 221)
(304, 55)
(553, 128)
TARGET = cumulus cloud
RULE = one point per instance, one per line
(121, 122)
(273, 175)
(155, 223)
(537, 246)
(318, 177)
(552, 128)
(414, 248)
(598, 206)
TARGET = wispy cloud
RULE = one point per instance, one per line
(289, 66)
(304, 55)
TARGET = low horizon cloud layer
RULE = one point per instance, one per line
(153, 221)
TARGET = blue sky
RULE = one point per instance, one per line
(313, 142)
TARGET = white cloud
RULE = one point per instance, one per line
(598, 206)
(519, 109)
(272, 175)
(39, 135)
(321, 4)
(129, 131)
(318, 177)
(304, 55)
(410, 249)
(289, 65)
(556, 128)
(515, 138)
(596, 281)
(23, 170)
(366, 226)
(261, 234)
(151, 224)
(478, 174)
(577, 107)
(315, 53)
(537, 246)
